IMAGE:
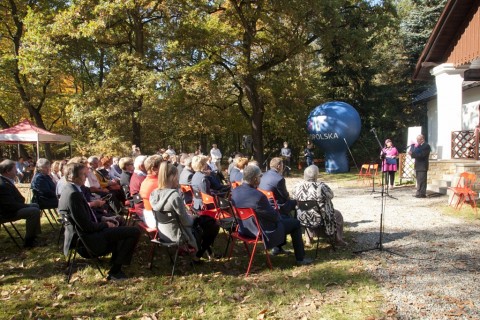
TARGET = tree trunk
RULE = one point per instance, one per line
(258, 112)
(136, 127)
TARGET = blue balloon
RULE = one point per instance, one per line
(332, 126)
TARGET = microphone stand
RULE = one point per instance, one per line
(379, 244)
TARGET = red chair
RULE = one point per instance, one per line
(243, 214)
(152, 235)
(464, 191)
(187, 194)
(271, 198)
(234, 184)
(214, 209)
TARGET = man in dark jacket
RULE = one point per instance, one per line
(12, 204)
(274, 181)
(274, 227)
(100, 236)
(421, 152)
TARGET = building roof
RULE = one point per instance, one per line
(447, 31)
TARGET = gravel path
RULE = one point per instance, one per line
(433, 270)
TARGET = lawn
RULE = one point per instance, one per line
(335, 287)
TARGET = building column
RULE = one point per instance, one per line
(449, 82)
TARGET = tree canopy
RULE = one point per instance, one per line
(180, 72)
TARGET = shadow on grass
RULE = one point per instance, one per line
(33, 285)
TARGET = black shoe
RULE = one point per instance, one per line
(420, 196)
(279, 251)
(305, 262)
(119, 276)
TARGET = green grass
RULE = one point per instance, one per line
(336, 286)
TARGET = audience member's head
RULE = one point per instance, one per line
(253, 163)
(152, 164)
(311, 173)
(56, 166)
(78, 160)
(183, 156)
(252, 175)
(167, 176)
(93, 162)
(6, 167)
(126, 164)
(75, 172)
(106, 161)
(199, 163)
(276, 164)
(241, 163)
(139, 163)
(43, 166)
(187, 162)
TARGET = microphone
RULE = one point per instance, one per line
(372, 130)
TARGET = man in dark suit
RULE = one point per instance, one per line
(101, 237)
(421, 152)
(12, 204)
(274, 227)
(274, 181)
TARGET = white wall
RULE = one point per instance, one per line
(469, 116)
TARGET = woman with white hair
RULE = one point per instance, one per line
(320, 215)
(43, 186)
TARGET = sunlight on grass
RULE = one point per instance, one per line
(335, 287)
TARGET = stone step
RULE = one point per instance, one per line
(441, 183)
(436, 188)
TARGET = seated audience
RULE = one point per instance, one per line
(166, 198)
(105, 170)
(102, 237)
(274, 227)
(43, 186)
(274, 181)
(200, 181)
(181, 163)
(139, 174)
(56, 173)
(187, 172)
(126, 165)
(150, 183)
(115, 170)
(236, 174)
(323, 216)
(13, 207)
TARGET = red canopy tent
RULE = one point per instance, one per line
(26, 132)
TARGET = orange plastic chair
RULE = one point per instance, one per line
(271, 198)
(464, 191)
(151, 233)
(364, 172)
(244, 214)
(187, 194)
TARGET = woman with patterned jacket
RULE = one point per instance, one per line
(321, 213)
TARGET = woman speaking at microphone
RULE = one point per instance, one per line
(389, 162)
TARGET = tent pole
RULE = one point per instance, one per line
(38, 149)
